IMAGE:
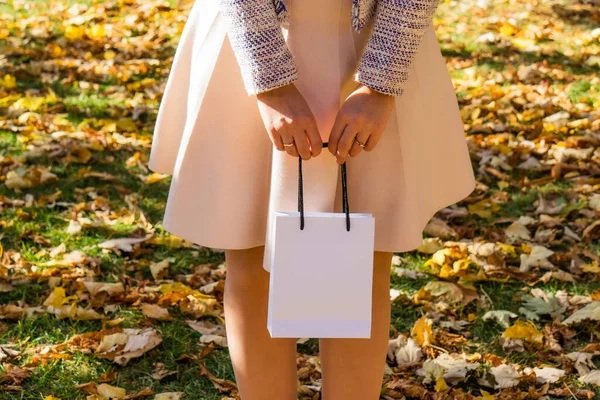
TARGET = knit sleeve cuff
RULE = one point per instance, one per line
(257, 39)
(397, 33)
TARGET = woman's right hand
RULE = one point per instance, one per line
(289, 119)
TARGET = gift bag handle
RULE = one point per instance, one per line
(345, 207)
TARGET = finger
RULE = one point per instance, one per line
(302, 146)
(291, 150)
(372, 142)
(335, 135)
(314, 137)
(345, 143)
(356, 148)
(277, 142)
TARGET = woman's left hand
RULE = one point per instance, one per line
(363, 116)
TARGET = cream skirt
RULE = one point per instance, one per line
(227, 177)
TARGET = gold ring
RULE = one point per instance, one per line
(361, 144)
(288, 144)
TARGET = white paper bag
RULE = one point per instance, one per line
(321, 275)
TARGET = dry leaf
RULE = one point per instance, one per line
(591, 311)
(111, 392)
(525, 330)
(156, 312)
(500, 316)
(505, 375)
(422, 332)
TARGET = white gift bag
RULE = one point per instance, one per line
(321, 272)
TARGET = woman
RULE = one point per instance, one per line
(256, 84)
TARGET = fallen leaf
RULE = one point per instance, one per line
(548, 374)
(124, 244)
(409, 353)
(169, 396)
(111, 392)
(525, 330)
(422, 332)
(156, 312)
(591, 378)
(505, 375)
(502, 317)
(590, 311)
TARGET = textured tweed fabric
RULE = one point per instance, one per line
(266, 62)
(257, 39)
(398, 30)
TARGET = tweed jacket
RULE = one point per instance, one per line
(267, 63)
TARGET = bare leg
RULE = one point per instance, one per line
(264, 368)
(353, 368)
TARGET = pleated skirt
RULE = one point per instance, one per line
(227, 178)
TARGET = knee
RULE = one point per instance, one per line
(245, 263)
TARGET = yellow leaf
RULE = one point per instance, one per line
(127, 125)
(508, 29)
(78, 155)
(50, 397)
(523, 44)
(61, 120)
(28, 103)
(172, 241)
(51, 97)
(507, 249)
(440, 384)
(524, 330)
(5, 101)
(487, 396)
(109, 55)
(175, 287)
(133, 160)
(483, 208)
(422, 332)
(83, 314)
(503, 185)
(439, 257)
(96, 32)
(593, 268)
(111, 392)
(446, 271)
(74, 32)
(8, 82)
(153, 178)
(56, 298)
(57, 51)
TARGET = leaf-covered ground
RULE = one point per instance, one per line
(97, 301)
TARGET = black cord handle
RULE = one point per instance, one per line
(345, 206)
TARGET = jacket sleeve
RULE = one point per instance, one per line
(257, 40)
(398, 30)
